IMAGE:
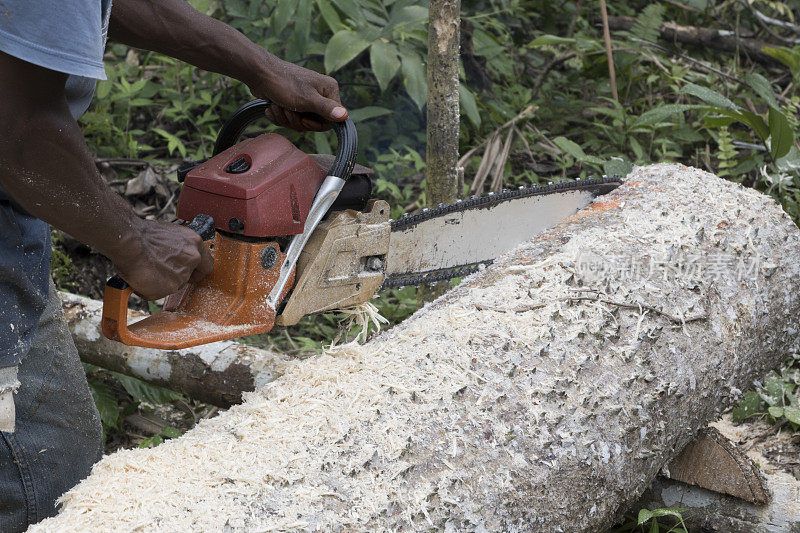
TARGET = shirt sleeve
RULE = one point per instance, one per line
(62, 35)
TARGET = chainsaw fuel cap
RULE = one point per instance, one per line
(240, 165)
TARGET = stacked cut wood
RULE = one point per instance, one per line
(544, 393)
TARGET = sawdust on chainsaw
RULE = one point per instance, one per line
(371, 437)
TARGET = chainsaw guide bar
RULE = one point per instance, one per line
(574, 195)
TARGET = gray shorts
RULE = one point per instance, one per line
(58, 435)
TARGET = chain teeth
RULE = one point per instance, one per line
(599, 185)
(398, 281)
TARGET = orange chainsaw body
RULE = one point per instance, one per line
(267, 196)
(229, 302)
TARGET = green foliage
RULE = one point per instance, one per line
(168, 432)
(726, 153)
(103, 385)
(666, 519)
(777, 399)
(61, 267)
(648, 23)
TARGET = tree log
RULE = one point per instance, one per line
(541, 394)
(712, 511)
(215, 373)
(703, 37)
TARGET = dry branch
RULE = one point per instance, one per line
(216, 373)
(704, 37)
(460, 419)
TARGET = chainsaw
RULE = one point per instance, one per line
(294, 234)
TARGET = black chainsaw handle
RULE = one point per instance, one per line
(252, 111)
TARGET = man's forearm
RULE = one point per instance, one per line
(46, 166)
(176, 29)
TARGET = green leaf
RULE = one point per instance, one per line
(792, 414)
(408, 15)
(616, 166)
(661, 113)
(330, 16)
(751, 119)
(572, 149)
(385, 63)
(644, 516)
(717, 121)
(781, 136)
(283, 12)
(343, 47)
(550, 40)
(709, 96)
(151, 442)
(366, 113)
(171, 432)
(749, 405)
(787, 56)
(206, 7)
(762, 88)
(468, 105)
(103, 88)
(755, 122)
(321, 142)
(670, 511)
(638, 151)
(144, 392)
(414, 78)
(775, 412)
(790, 162)
(105, 401)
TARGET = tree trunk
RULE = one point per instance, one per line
(442, 107)
(216, 373)
(543, 393)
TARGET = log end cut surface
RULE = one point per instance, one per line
(540, 394)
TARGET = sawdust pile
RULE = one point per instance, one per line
(532, 392)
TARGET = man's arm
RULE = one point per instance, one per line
(46, 167)
(174, 28)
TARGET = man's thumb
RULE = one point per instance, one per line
(332, 110)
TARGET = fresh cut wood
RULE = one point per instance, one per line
(541, 394)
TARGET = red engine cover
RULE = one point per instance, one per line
(270, 198)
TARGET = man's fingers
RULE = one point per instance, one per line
(314, 125)
(206, 265)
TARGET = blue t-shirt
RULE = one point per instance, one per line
(66, 36)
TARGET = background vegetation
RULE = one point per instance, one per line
(536, 106)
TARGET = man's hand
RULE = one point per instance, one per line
(175, 28)
(162, 258)
(295, 90)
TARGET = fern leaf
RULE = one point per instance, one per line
(647, 24)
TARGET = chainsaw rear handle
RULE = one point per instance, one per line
(254, 110)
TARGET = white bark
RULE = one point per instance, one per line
(216, 373)
(541, 394)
